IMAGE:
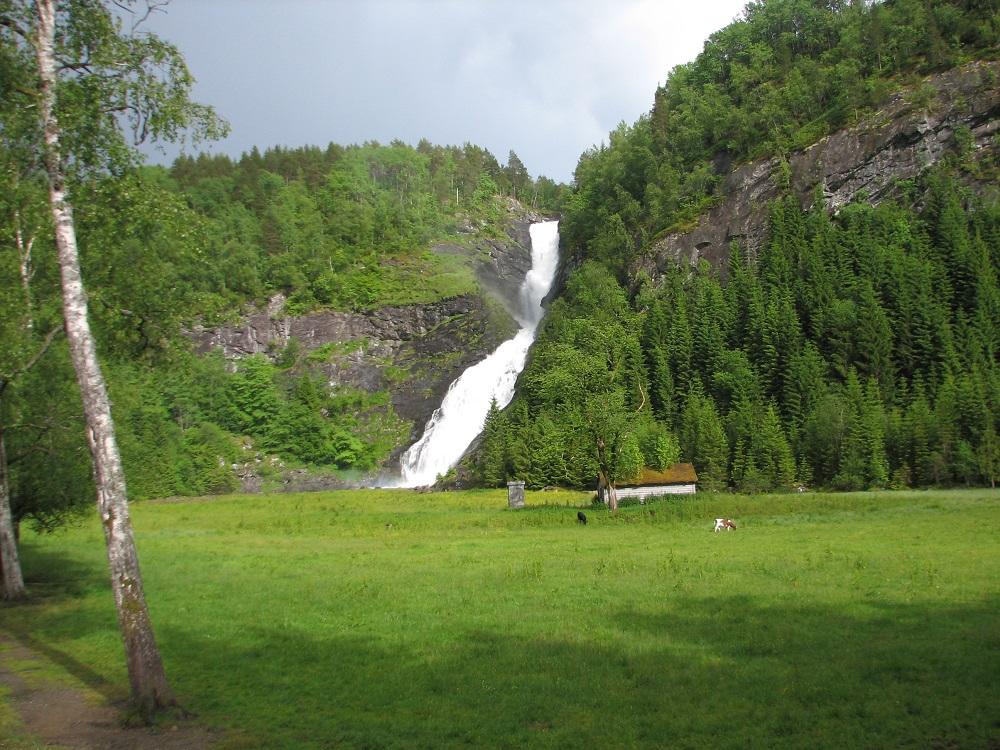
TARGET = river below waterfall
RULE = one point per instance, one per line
(459, 419)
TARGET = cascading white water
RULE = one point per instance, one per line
(460, 417)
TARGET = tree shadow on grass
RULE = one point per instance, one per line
(707, 672)
(875, 674)
(51, 577)
(51, 573)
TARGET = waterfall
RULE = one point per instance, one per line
(460, 417)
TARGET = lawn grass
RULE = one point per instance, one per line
(393, 619)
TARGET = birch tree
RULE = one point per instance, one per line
(94, 81)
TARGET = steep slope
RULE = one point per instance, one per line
(952, 113)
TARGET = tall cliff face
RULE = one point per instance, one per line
(411, 352)
(953, 111)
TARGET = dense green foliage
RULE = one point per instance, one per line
(347, 228)
(780, 78)
(179, 423)
(824, 621)
(856, 352)
(853, 352)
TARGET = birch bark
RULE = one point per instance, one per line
(150, 690)
(24, 247)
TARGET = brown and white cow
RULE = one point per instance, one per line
(724, 524)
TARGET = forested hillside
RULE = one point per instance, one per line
(849, 351)
(781, 78)
(347, 228)
(166, 251)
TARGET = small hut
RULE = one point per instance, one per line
(679, 479)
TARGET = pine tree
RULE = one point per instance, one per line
(920, 422)
(547, 455)
(703, 441)
(873, 425)
(947, 418)
(804, 385)
(679, 347)
(741, 288)
(774, 455)
(950, 234)
(785, 335)
(873, 340)
(708, 330)
(254, 402)
(492, 454)
(661, 385)
(986, 317)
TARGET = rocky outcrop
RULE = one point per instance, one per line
(915, 129)
(502, 265)
(410, 352)
(269, 331)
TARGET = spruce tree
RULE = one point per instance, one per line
(492, 454)
(873, 340)
(703, 441)
(679, 347)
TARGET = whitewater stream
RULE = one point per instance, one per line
(461, 415)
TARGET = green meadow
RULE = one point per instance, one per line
(393, 619)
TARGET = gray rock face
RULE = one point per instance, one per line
(413, 352)
(269, 331)
(896, 143)
(505, 264)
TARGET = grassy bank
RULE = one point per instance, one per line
(396, 619)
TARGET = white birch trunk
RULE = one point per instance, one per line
(10, 564)
(150, 690)
(24, 246)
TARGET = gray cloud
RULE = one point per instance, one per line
(546, 79)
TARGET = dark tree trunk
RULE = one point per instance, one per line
(10, 564)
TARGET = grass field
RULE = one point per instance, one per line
(390, 619)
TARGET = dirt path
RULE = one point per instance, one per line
(76, 717)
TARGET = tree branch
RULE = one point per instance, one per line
(152, 6)
(76, 65)
(14, 26)
(46, 343)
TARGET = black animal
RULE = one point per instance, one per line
(581, 517)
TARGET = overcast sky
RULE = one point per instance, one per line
(546, 78)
